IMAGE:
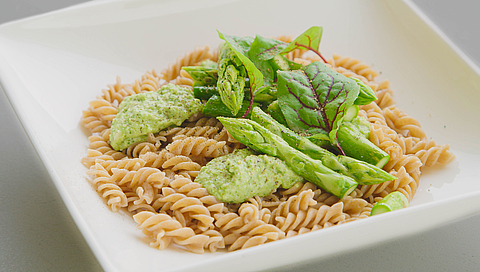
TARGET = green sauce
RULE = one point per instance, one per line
(144, 113)
(235, 177)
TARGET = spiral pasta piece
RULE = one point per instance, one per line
(204, 121)
(104, 110)
(183, 79)
(137, 201)
(133, 179)
(111, 94)
(189, 59)
(196, 131)
(384, 94)
(430, 153)
(138, 149)
(240, 234)
(94, 156)
(197, 146)
(403, 123)
(166, 160)
(100, 142)
(354, 65)
(295, 203)
(189, 188)
(110, 191)
(164, 230)
(126, 164)
(92, 122)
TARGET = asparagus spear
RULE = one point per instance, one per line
(362, 172)
(202, 76)
(322, 140)
(204, 92)
(264, 95)
(274, 110)
(393, 201)
(355, 144)
(215, 107)
(231, 79)
(366, 94)
(255, 136)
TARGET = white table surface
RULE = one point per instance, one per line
(38, 234)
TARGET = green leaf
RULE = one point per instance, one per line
(310, 39)
(266, 48)
(261, 51)
(315, 98)
(239, 44)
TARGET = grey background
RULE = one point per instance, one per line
(38, 234)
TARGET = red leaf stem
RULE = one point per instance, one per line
(312, 49)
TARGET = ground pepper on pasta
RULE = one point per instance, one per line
(155, 180)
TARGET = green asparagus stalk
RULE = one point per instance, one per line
(202, 76)
(255, 136)
(393, 201)
(355, 144)
(322, 140)
(264, 95)
(204, 92)
(366, 94)
(362, 172)
(231, 79)
(215, 107)
(274, 110)
(209, 64)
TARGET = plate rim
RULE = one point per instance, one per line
(103, 259)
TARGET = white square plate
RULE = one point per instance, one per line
(52, 65)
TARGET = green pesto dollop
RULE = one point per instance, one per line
(235, 177)
(144, 113)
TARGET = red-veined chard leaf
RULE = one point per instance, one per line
(310, 39)
(266, 48)
(240, 44)
(254, 75)
(315, 98)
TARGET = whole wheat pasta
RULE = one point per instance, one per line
(197, 146)
(355, 65)
(108, 189)
(154, 180)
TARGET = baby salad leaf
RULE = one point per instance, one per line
(315, 99)
(264, 53)
(266, 48)
(238, 46)
(310, 39)
(260, 54)
(269, 48)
